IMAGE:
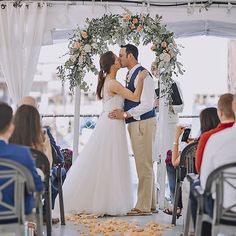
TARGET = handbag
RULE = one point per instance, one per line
(168, 158)
(175, 95)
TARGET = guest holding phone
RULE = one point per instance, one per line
(208, 120)
(184, 132)
(172, 162)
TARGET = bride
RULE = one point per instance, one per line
(99, 181)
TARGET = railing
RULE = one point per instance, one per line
(62, 129)
(95, 115)
(67, 115)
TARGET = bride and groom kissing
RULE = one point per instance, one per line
(99, 181)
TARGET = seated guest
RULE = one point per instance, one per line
(28, 131)
(18, 154)
(208, 120)
(226, 116)
(220, 149)
(28, 100)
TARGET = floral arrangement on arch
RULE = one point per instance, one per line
(120, 29)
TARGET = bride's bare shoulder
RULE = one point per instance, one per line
(113, 86)
(113, 82)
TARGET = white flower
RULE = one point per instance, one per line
(172, 54)
(120, 21)
(81, 60)
(73, 58)
(165, 57)
(153, 47)
(94, 45)
(83, 52)
(87, 48)
(164, 44)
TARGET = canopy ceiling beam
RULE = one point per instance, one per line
(158, 3)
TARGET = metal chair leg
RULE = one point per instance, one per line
(60, 193)
(198, 226)
(177, 193)
(39, 215)
(48, 208)
(187, 220)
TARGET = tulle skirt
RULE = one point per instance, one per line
(99, 181)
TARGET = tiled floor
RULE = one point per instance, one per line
(71, 229)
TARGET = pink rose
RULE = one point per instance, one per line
(139, 29)
(135, 21)
(84, 34)
(153, 47)
(164, 44)
(76, 45)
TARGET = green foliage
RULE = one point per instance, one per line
(120, 29)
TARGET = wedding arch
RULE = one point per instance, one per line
(120, 29)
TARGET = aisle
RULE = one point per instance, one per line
(73, 229)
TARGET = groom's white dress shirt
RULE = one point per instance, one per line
(147, 96)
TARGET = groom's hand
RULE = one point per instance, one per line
(116, 114)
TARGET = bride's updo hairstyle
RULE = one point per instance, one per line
(106, 61)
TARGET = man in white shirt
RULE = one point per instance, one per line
(141, 120)
(220, 150)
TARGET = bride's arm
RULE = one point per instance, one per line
(118, 88)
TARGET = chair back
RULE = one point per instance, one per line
(58, 165)
(222, 181)
(54, 156)
(187, 165)
(42, 162)
(16, 176)
(187, 160)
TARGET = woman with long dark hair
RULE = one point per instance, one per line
(28, 131)
(99, 181)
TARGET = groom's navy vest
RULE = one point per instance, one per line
(130, 104)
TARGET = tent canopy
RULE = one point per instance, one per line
(184, 18)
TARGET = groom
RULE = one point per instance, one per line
(141, 120)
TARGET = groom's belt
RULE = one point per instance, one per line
(144, 116)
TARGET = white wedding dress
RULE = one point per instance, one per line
(99, 181)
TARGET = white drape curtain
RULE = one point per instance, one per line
(21, 33)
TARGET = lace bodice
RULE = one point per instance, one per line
(111, 102)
